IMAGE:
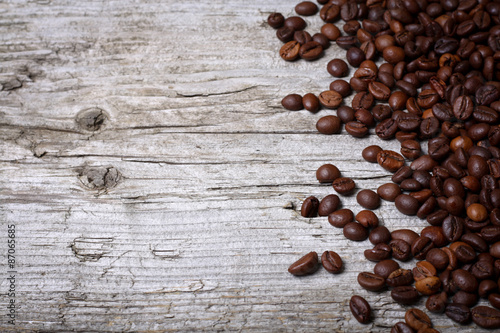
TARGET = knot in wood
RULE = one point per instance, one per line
(99, 178)
(91, 119)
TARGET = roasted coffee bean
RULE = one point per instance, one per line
(380, 252)
(385, 267)
(368, 199)
(417, 319)
(380, 234)
(494, 300)
(344, 185)
(386, 129)
(464, 252)
(429, 285)
(306, 8)
(486, 317)
(306, 265)
(371, 281)
(330, 99)
(337, 68)
(410, 149)
(465, 298)
(405, 295)
(329, 12)
(464, 280)
(276, 20)
(453, 227)
(332, 262)
(459, 313)
(422, 270)
(292, 102)
(379, 90)
(390, 160)
(486, 287)
(420, 247)
(401, 327)
(438, 258)
(389, 191)
(356, 129)
(329, 125)
(401, 250)
(342, 87)
(370, 153)
(310, 207)
(290, 51)
(407, 235)
(311, 50)
(399, 277)
(362, 100)
(295, 22)
(367, 218)
(322, 40)
(435, 233)
(302, 37)
(360, 309)
(328, 205)
(285, 34)
(311, 102)
(436, 303)
(346, 114)
(355, 231)
(341, 217)
(407, 204)
(327, 173)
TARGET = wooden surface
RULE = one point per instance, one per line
(155, 181)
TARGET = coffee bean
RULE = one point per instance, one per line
(310, 207)
(356, 129)
(465, 298)
(379, 234)
(368, 199)
(330, 31)
(399, 277)
(436, 303)
(306, 265)
(380, 252)
(438, 258)
(429, 285)
(371, 281)
(311, 102)
(341, 217)
(401, 327)
(370, 153)
(328, 205)
(405, 295)
(401, 250)
(332, 262)
(330, 99)
(486, 317)
(407, 204)
(329, 12)
(459, 313)
(360, 309)
(295, 22)
(367, 218)
(417, 319)
(337, 68)
(420, 247)
(327, 173)
(390, 160)
(342, 87)
(306, 8)
(329, 125)
(422, 270)
(385, 267)
(389, 191)
(290, 51)
(344, 185)
(407, 235)
(276, 20)
(292, 102)
(355, 231)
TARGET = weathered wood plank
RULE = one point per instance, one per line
(181, 212)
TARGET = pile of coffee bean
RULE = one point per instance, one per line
(427, 74)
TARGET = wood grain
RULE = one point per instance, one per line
(155, 181)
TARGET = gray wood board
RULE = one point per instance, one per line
(182, 211)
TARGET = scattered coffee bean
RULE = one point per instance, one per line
(306, 265)
(360, 309)
(332, 262)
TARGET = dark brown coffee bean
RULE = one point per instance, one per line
(465, 298)
(435, 233)
(464, 280)
(341, 217)
(407, 235)
(429, 285)
(276, 20)
(399, 277)
(328, 205)
(330, 99)
(417, 319)
(390, 160)
(329, 125)
(310, 207)
(464, 252)
(329, 12)
(306, 8)
(332, 262)
(355, 231)
(438, 258)
(370, 153)
(410, 149)
(486, 317)
(420, 247)
(459, 313)
(380, 252)
(379, 90)
(355, 56)
(292, 102)
(424, 163)
(407, 204)
(494, 300)
(330, 31)
(463, 107)
(337, 68)
(371, 281)
(386, 129)
(310, 50)
(385, 267)
(487, 287)
(327, 173)
(342, 87)
(356, 129)
(306, 265)
(285, 34)
(367, 218)
(295, 22)
(405, 295)
(380, 234)
(453, 227)
(344, 185)
(401, 250)
(437, 303)
(360, 309)
(401, 327)
(302, 37)
(368, 199)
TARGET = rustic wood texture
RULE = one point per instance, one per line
(155, 181)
